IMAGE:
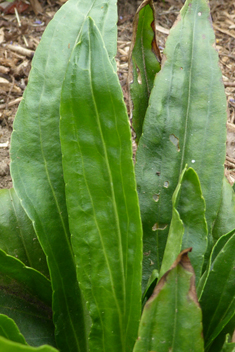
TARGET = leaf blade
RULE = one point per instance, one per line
(183, 124)
(217, 312)
(10, 331)
(37, 163)
(228, 346)
(18, 237)
(171, 320)
(101, 195)
(25, 296)
(225, 221)
(188, 227)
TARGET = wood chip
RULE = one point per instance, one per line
(224, 31)
(231, 160)
(162, 29)
(21, 50)
(1, 35)
(231, 127)
(8, 87)
(229, 84)
(122, 52)
(11, 103)
(4, 145)
(4, 70)
(231, 103)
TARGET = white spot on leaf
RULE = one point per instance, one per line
(166, 184)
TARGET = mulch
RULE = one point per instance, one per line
(20, 33)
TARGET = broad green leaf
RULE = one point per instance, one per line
(188, 227)
(144, 62)
(171, 320)
(10, 331)
(36, 166)
(217, 297)
(101, 194)
(17, 235)
(25, 296)
(225, 221)
(9, 346)
(185, 124)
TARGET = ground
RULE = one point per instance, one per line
(23, 30)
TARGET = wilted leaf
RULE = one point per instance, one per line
(171, 320)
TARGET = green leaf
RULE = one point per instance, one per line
(217, 297)
(145, 61)
(18, 237)
(101, 194)
(188, 227)
(215, 251)
(10, 331)
(228, 346)
(225, 221)
(175, 235)
(9, 346)
(171, 320)
(37, 163)
(185, 124)
(25, 296)
(12, 268)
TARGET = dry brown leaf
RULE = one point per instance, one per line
(36, 6)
